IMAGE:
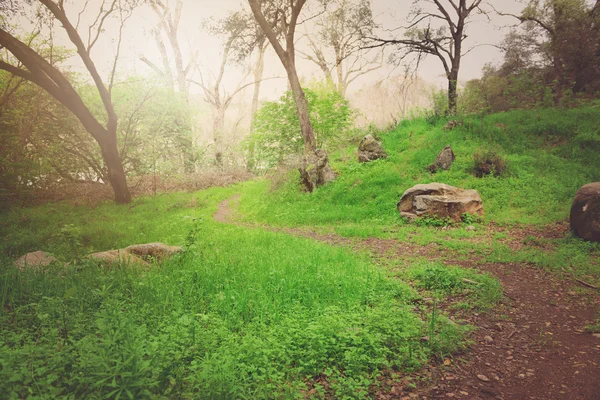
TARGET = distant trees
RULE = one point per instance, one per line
(551, 58)
(241, 37)
(35, 66)
(438, 28)
(565, 36)
(336, 42)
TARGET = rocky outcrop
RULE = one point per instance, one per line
(36, 259)
(443, 161)
(439, 200)
(585, 212)
(370, 149)
(315, 170)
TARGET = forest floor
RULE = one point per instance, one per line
(532, 345)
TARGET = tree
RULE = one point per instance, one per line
(278, 20)
(443, 41)
(565, 36)
(284, 15)
(43, 73)
(337, 46)
(168, 23)
(241, 37)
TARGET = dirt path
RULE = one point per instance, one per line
(532, 346)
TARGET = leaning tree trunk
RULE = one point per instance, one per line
(115, 171)
(308, 134)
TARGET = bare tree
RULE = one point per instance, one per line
(337, 46)
(169, 21)
(241, 37)
(40, 71)
(424, 36)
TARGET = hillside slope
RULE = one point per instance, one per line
(550, 153)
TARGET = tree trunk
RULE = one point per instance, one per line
(116, 173)
(218, 132)
(452, 92)
(258, 74)
(308, 134)
(341, 85)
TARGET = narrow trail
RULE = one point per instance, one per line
(532, 346)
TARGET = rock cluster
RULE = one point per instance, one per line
(36, 259)
(135, 255)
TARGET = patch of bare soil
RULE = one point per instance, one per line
(532, 346)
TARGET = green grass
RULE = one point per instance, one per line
(550, 154)
(241, 313)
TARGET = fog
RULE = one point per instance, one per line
(484, 32)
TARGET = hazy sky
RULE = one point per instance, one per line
(389, 13)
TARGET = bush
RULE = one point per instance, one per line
(277, 134)
(486, 162)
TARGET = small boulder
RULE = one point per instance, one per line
(116, 258)
(35, 259)
(370, 149)
(439, 200)
(585, 212)
(443, 161)
(315, 170)
(153, 251)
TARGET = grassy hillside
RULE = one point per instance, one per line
(550, 153)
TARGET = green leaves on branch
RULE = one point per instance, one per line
(276, 127)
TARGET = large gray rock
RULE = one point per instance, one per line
(370, 149)
(153, 251)
(443, 161)
(315, 170)
(439, 200)
(36, 259)
(585, 212)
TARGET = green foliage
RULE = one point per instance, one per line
(478, 291)
(241, 313)
(276, 128)
(433, 221)
(470, 219)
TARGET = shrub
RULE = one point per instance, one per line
(277, 133)
(486, 162)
